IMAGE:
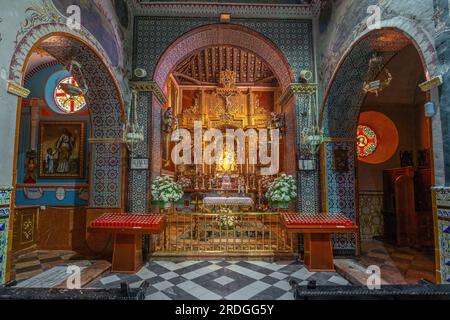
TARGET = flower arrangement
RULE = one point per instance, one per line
(166, 190)
(225, 219)
(282, 190)
(185, 182)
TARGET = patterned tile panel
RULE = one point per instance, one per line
(155, 34)
(4, 225)
(138, 180)
(444, 248)
(340, 191)
(370, 215)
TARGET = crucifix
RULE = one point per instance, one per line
(227, 88)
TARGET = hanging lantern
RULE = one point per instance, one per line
(312, 134)
(133, 133)
(79, 88)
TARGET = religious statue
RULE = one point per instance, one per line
(64, 146)
(226, 182)
(30, 167)
(169, 124)
(241, 185)
(277, 121)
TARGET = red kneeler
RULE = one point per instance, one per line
(317, 229)
(128, 230)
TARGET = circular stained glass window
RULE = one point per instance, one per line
(66, 102)
(366, 141)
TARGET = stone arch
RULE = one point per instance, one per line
(104, 99)
(223, 34)
(340, 111)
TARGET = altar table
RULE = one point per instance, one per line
(127, 230)
(230, 201)
(317, 230)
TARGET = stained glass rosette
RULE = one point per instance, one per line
(366, 141)
(65, 102)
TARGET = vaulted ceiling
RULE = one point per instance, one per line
(204, 67)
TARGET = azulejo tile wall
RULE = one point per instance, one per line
(5, 199)
(370, 214)
(340, 191)
(442, 196)
(154, 34)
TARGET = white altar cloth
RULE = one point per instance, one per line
(230, 201)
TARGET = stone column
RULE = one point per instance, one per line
(441, 194)
(149, 101)
(308, 181)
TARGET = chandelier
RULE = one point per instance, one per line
(78, 89)
(133, 133)
(372, 84)
(312, 133)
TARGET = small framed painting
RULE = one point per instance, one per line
(62, 147)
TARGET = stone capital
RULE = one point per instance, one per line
(148, 86)
(294, 89)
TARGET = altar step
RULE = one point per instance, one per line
(250, 255)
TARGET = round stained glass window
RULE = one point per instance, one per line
(65, 102)
(366, 141)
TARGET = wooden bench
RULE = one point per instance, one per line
(317, 230)
(128, 230)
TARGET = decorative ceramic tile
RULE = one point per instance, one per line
(4, 225)
(444, 248)
(5, 196)
(370, 215)
(340, 190)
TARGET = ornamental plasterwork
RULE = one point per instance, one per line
(236, 10)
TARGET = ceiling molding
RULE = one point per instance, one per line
(236, 10)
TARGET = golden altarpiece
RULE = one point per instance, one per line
(239, 220)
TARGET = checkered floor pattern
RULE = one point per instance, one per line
(217, 280)
(33, 263)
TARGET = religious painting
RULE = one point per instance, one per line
(62, 150)
(340, 160)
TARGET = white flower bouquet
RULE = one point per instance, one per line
(281, 191)
(226, 220)
(166, 190)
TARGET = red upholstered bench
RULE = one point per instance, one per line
(128, 230)
(126, 221)
(317, 228)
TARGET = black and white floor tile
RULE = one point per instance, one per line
(216, 280)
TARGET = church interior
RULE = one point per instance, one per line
(224, 150)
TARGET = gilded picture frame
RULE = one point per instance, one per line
(62, 149)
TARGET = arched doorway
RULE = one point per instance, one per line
(69, 159)
(222, 77)
(374, 96)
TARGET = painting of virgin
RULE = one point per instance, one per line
(62, 150)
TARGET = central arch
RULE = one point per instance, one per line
(223, 34)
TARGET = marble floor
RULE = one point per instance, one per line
(399, 265)
(217, 280)
(34, 263)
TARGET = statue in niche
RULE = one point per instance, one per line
(277, 121)
(169, 124)
(30, 167)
